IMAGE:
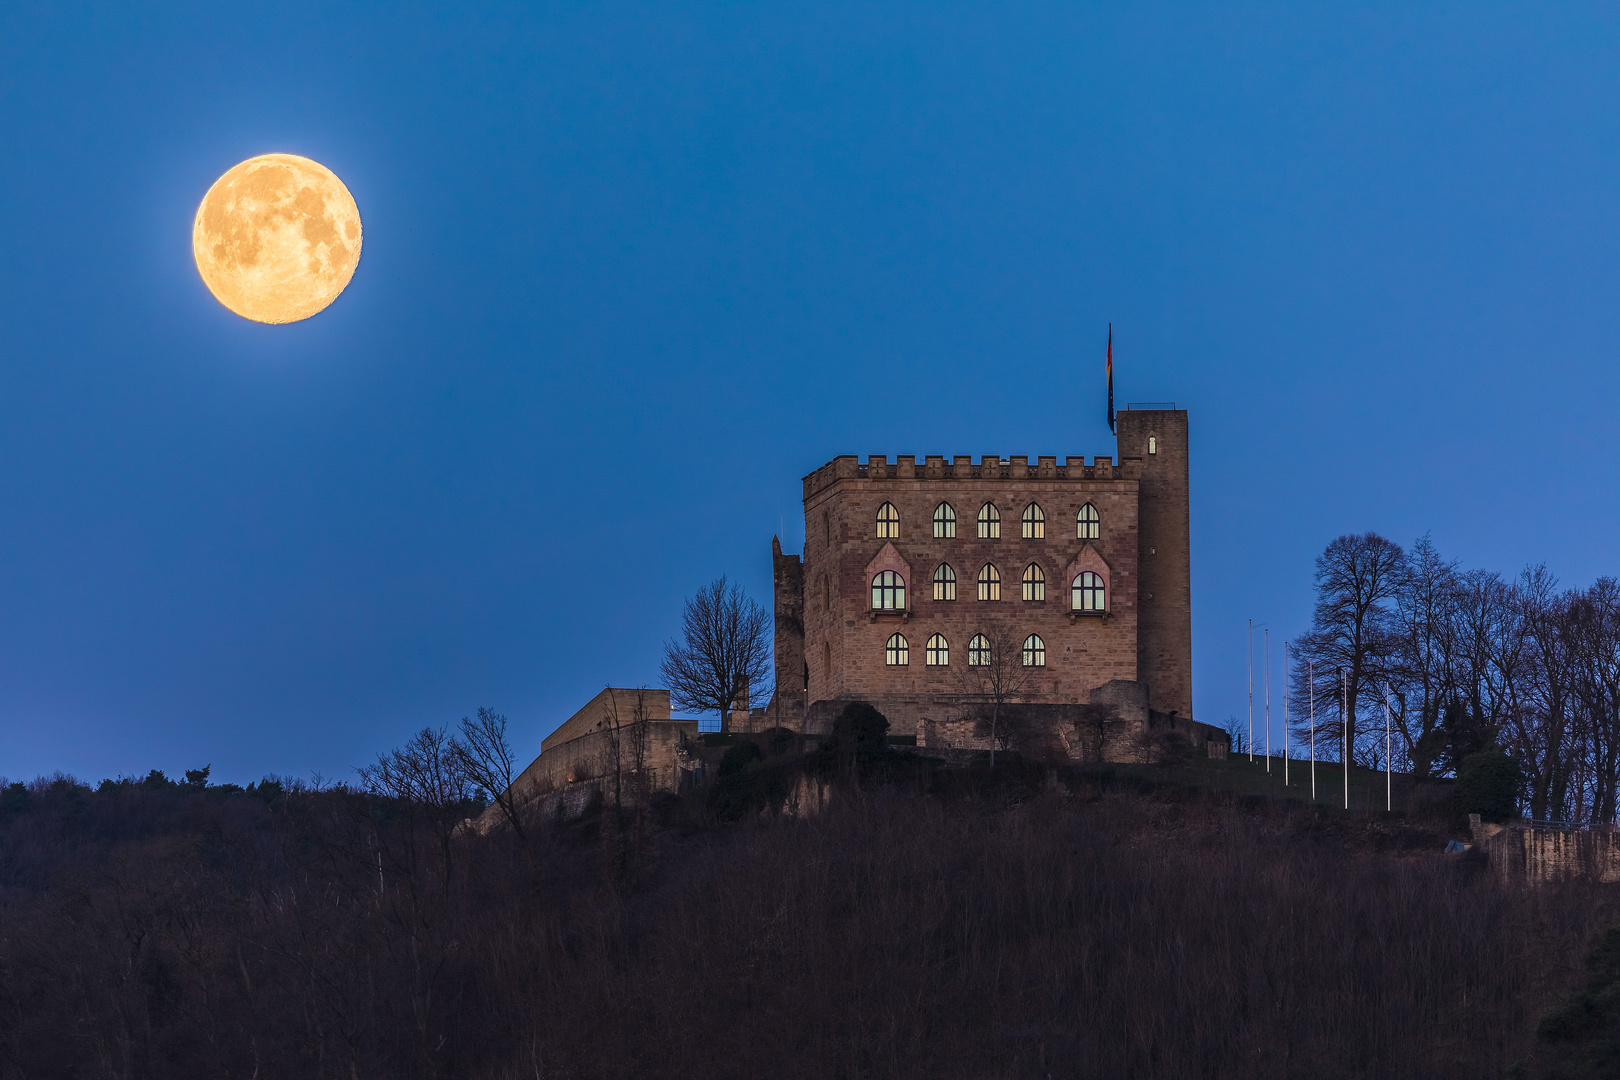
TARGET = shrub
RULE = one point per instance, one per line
(1488, 784)
(739, 757)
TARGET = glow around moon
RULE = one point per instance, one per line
(277, 238)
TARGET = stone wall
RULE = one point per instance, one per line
(1524, 851)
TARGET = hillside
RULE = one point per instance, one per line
(1015, 925)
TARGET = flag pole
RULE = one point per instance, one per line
(1251, 689)
(1110, 376)
(1389, 789)
(1268, 700)
(1344, 724)
(1285, 714)
(1310, 679)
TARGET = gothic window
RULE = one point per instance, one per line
(888, 522)
(1034, 582)
(826, 525)
(989, 582)
(979, 651)
(944, 522)
(897, 653)
(1034, 651)
(1087, 524)
(1034, 522)
(944, 582)
(989, 522)
(888, 592)
(1089, 594)
(939, 651)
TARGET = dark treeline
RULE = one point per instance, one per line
(160, 929)
(1466, 660)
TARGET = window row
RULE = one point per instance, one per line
(1087, 522)
(1086, 592)
(981, 653)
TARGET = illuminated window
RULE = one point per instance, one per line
(939, 651)
(1034, 583)
(944, 582)
(1034, 521)
(888, 592)
(989, 522)
(888, 522)
(979, 651)
(1087, 524)
(897, 653)
(944, 522)
(989, 582)
(1089, 594)
(1153, 445)
(1034, 651)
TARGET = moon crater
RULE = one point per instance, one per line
(277, 238)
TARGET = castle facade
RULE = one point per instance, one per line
(915, 573)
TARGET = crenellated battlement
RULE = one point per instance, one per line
(962, 467)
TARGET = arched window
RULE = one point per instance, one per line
(944, 582)
(979, 651)
(1087, 525)
(939, 651)
(1034, 651)
(1034, 582)
(826, 591)
(989, 522)
(826, 525)
(888, 592)
(944, 522)
(989, 582)
(896, 653)
(888, 522)
(1034, 522)
(1089, 594)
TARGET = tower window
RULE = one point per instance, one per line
(944, 522)
(826, 592)
(1034, 582)
(1034, 651)
(989, 522)
(989, 582)
(826, 525)
(888, 522)
(979, 651)
(1034, 521)
(944, 582)
(939, 652)
(888, 592)
(1088, 523)
(896, 653)
(1089, 593)
(1153, 445)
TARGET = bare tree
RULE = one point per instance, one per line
(486, 760)
(1356, 577)
(1423, 676)
(425, 776)
(994, 676)
(726, 651)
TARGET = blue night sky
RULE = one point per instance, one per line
(631, 271)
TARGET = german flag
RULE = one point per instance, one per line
(1110, 376)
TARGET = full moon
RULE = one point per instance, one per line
(277, 238)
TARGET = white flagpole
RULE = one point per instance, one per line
(1310, 678)
(1285, 714)
(1268, 699)
(1251, 689)
(1344, 727)
(1389, 790)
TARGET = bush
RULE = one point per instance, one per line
(1488, 784)
(739, 757)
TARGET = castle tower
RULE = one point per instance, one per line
(1158, 439)
(792, 676)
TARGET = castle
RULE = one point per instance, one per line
(1060, 593)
